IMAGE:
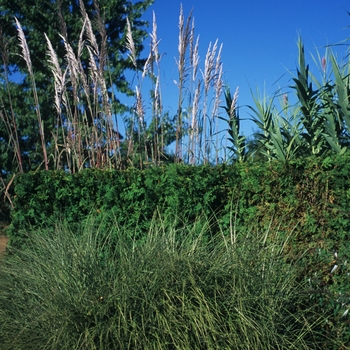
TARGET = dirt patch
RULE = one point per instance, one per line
(3, 243)
(3, 239)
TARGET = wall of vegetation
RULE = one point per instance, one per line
(304, 199)
(312, 193)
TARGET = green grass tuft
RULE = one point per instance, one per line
(175, 289)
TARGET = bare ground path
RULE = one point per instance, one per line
(3, 241)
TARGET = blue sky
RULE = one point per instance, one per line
(259, 40)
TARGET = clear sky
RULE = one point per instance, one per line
(259, 40)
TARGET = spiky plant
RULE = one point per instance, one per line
(238, 141)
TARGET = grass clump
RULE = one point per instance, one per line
(175, 289)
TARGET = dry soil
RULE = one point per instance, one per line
(3, 239)
(3, 242)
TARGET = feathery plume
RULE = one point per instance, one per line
(72, 63)
(209, 66)
(24, 46)
(59, 77)
(155, 41)
(26, 56)
(234, 102)
(130, 45)
(195, 60)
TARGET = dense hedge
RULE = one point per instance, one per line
(132, 196)
(312, 193)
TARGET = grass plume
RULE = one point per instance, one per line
(26, 57)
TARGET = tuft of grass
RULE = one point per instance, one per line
(174, 289)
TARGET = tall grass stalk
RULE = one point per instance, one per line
(86, 131)
(185, 41)
(194, 129)
(26, 57)
(177, 288)
(83, 104)
(9, 121)
(210, 74)
(152, 69)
